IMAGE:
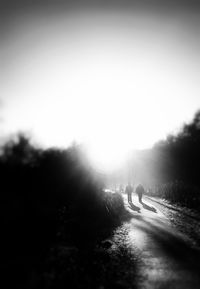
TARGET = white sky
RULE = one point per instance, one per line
(113, 80)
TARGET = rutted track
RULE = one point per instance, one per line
(166, 257)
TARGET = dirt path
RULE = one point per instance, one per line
(145, 252)
(166, 258)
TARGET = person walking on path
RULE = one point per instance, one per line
(140, 191)
(129, 190)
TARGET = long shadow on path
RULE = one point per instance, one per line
(150, 208)
(133, 207)
(171, 242)
(175, 209)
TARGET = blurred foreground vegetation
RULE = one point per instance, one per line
(48, 197)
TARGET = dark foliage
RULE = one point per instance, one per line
(49, 196)
(179, 193)
(183, 153)
(176, 164)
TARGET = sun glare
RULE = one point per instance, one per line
(107, 155)
(105, 101)
(104, 106)
(106, 85)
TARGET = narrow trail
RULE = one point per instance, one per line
(167, 259)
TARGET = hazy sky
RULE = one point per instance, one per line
(114, 74)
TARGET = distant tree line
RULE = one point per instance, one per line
(173, 165)
(180, 154)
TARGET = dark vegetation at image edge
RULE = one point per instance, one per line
(174, 164)
(51, 199)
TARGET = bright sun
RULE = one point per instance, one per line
(104, 105)
(105, 85)
(109, 102)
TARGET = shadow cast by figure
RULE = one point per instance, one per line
(176, 209)
(133, 207)
(145, 206)
(173, 244)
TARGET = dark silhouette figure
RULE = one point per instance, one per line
(129, 190)
(140, 191)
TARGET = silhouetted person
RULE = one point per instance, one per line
(140, 191)
(128, 191)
